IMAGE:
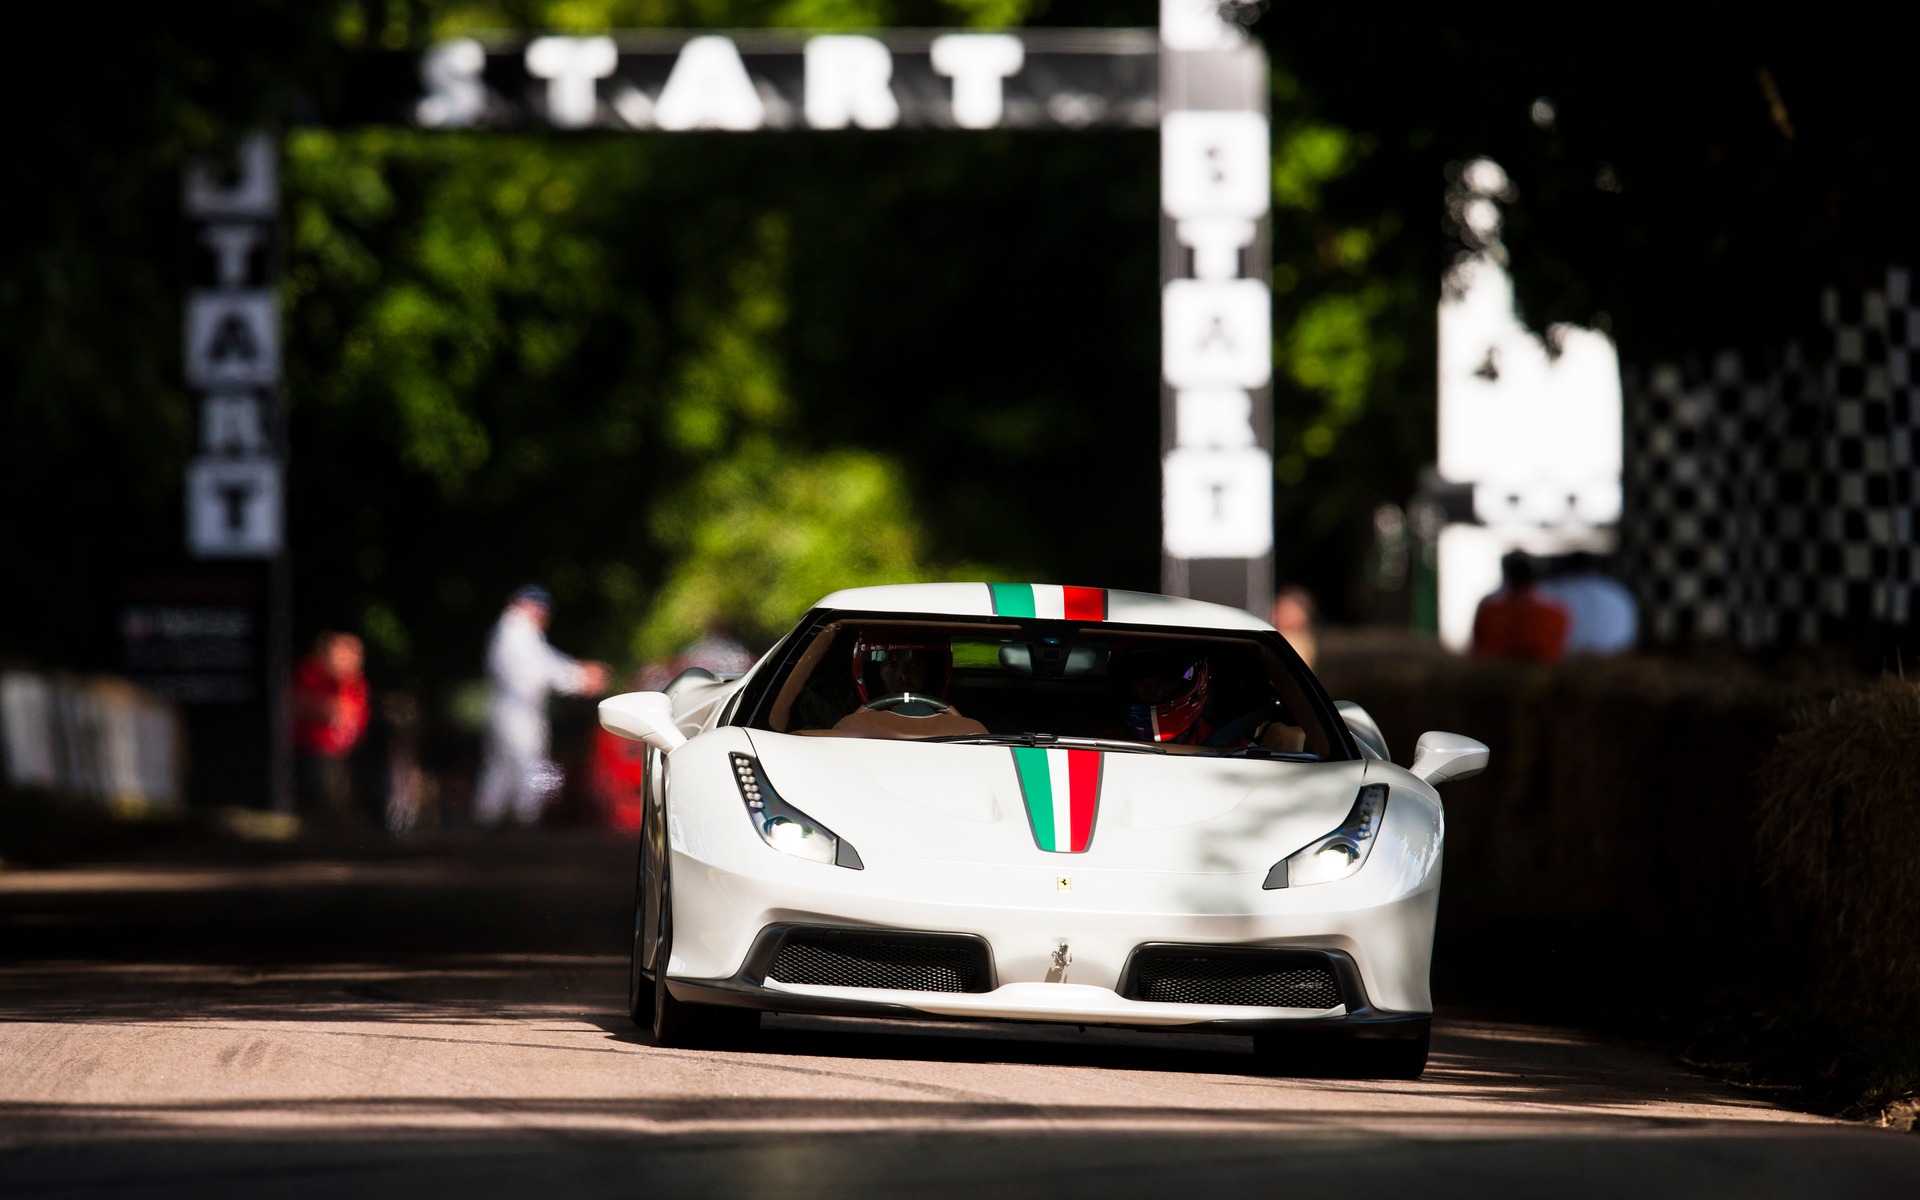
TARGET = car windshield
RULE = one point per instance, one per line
(1008, 682)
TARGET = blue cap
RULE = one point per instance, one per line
(533, 593)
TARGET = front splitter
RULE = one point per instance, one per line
(1067, 1004)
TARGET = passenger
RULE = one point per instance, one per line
(1164, 699)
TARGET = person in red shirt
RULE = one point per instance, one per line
(329, 717)
(1519, 620)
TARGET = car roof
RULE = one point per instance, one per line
(1042, 600)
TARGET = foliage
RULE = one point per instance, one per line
(1353, 305)
(777, 389)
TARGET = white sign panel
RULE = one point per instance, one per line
(1214, 417)
(233, 507)
(1217, 503)
(233, 338)
(1539, 433)
(1215, 164)
(1218, 333)
(1197, 25)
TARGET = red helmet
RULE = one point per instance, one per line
(888, 664)
(1164, 691)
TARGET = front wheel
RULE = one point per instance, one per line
(676, 1022)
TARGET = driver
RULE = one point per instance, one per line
(917, 671)
(902, 681)
(1163, 694)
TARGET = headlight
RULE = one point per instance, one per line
(783, 826)
(1338, 854)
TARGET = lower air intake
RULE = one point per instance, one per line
(1281, 979)
(913, 963)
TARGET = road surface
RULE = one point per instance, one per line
(444, 1018)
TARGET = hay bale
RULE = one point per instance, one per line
(1620, 788)
(1839, 833)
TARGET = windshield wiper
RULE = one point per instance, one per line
(1264, 752)
(1046, 739)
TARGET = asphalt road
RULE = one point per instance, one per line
(444, 1018)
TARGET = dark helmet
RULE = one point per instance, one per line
(1165, 691)
(924, 664)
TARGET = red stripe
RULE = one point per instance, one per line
(1085, 603)
(1083, 783)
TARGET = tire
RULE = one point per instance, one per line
(676, 1023)
(639, 986)
(1342, 1056)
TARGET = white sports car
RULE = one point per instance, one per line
(1035, 803)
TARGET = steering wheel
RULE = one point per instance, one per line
(932, 705)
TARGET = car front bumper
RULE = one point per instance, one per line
(1058, 1002)
(1380, 944)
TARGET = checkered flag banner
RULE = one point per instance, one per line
(1770, 498)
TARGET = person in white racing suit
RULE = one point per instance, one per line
(516, 776)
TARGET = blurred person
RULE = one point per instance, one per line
(1298, 619)
(1605, 617)
(1518, 620)
(516, 776)
(329, 718)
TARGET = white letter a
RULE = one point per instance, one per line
(709, 89)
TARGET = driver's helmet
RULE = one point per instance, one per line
(890, 664)
(1163, 691)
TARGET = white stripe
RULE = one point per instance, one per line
(1049, 601)
(1062, 799)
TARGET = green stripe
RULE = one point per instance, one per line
(1037, 784)
(1012, 599)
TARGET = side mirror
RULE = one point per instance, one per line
(1443, 757)
(644, 717)
(1365, 729)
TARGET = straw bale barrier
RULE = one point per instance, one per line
(1618, 786)
(1612, 841)
(1839, 838)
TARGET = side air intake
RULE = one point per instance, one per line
(863, 958)
(1204, 975)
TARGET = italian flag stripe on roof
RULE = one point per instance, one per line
(1062, 791)
(1048, 601)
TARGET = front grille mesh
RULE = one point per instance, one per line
(923, 964)
(1268, 981)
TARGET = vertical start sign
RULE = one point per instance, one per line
(1216, 311)
(232, 355)
(216, 637)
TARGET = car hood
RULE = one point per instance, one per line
(963, 803)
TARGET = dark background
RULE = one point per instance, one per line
(705, 377)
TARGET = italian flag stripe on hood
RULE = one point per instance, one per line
(1062, 791)
(1048, 601)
